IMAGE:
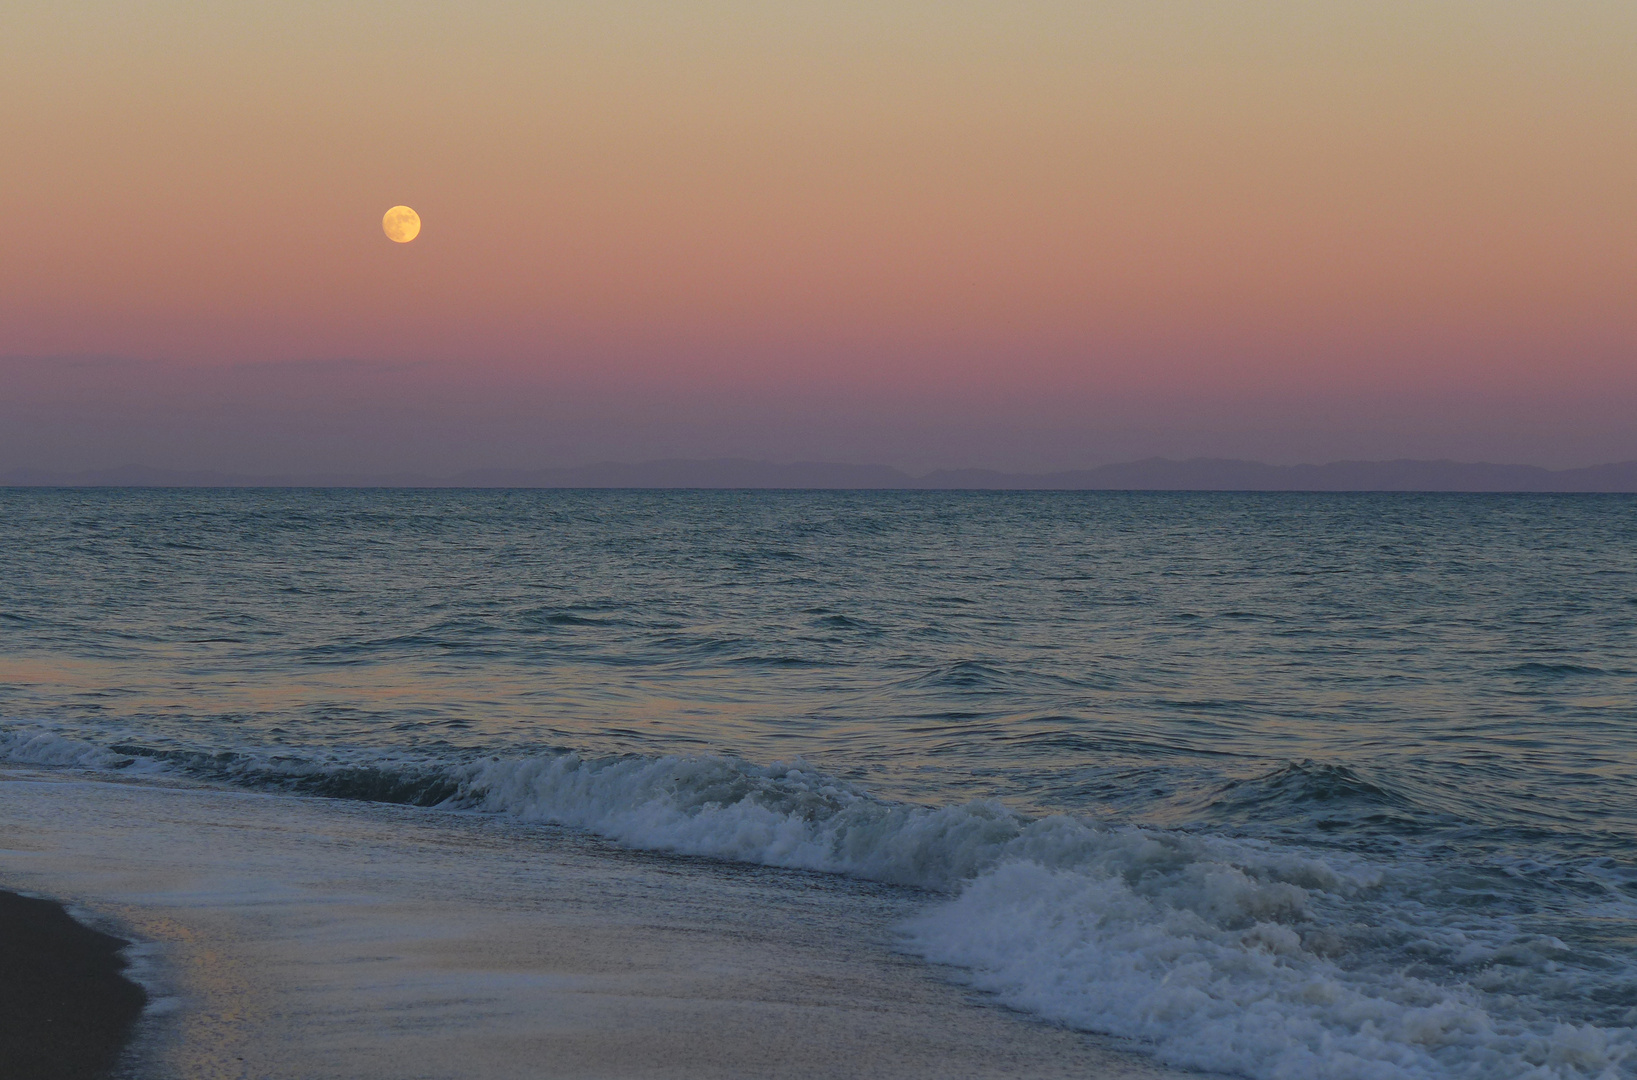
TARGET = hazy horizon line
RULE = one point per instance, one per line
(1152, 473)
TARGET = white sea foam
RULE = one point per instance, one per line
(1267, 961)
(1220, 954)
(1220, 971)
(37, 745)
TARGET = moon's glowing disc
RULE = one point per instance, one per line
(401, 224)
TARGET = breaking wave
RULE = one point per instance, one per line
(1270, 961)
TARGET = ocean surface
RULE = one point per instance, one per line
(1273, 785)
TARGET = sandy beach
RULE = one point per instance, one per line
(302, 937)
(66, 1009)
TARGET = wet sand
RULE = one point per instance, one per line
(303, 937)
(66, 1009)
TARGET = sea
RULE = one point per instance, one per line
(1267, 785)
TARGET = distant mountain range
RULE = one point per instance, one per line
(1151, 474)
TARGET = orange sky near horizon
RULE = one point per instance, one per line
(1331, 196)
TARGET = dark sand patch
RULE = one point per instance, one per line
(66, 1010)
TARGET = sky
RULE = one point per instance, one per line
(1027, 234)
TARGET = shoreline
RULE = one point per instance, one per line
(67, 1011)
(337, 940)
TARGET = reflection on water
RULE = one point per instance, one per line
(1105, 652)
(1390, 738)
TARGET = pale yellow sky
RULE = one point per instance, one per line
(1331, 194)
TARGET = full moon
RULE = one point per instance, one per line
(401, 224)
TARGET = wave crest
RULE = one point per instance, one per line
(1267, 960)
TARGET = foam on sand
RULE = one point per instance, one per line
(1262, 960)
(1269, 961)
(326, 939)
